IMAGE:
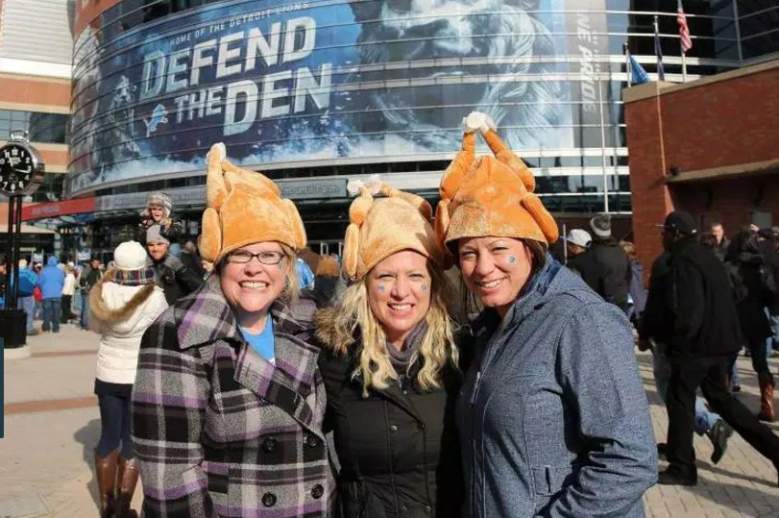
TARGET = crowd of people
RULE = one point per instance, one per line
(709, 297)
(443, 366)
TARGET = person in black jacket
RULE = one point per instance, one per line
(704, 335)
(390, 367)
(170, 273)
(604, 266)
(655, 333)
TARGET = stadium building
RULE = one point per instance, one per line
(319, 93)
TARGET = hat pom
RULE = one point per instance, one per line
(210, 242)
(351, 250)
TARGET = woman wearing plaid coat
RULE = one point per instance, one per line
(228, 403)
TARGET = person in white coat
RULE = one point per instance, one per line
(68, 290)
(123, 303)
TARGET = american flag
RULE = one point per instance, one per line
(684, 31)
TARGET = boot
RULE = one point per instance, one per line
(766, 381)
(105, 469)
(128, 478)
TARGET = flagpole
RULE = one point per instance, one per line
(684, 65)
(628, 71)
(658, 52)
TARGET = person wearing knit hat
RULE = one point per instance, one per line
(172, 275)
(232, 369)
(388, 350)
(123, 303)
(605, 267)
(554, 362)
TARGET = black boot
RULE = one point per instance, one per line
(719, 435)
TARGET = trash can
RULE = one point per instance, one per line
(13, 327)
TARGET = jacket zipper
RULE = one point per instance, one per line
(476, 386)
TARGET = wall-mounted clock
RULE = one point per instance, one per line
(21, 169)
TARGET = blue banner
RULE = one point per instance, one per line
(322, 81)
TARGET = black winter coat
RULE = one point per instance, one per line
(397, 448)
(175, 279)
(700, 303)
(606, 269)
(655, 321)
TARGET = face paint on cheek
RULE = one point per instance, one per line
(423, 288)
(512, 259)
(381, 288)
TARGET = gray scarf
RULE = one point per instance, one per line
(401, 359)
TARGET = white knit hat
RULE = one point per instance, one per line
(130, 255)
(579, 237)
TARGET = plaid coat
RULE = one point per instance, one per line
(218, 430)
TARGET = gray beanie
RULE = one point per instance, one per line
(601, 226)
(153, 235)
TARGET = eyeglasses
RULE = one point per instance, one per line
(244, 257)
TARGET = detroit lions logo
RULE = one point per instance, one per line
(158, 116)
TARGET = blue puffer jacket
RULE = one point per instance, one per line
(553, 419)
(27, 281)
(51, 279)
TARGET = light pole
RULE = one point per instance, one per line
(21, 173)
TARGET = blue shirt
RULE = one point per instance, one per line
(263, 342)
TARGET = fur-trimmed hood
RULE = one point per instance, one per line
(110, 309)
(326, 334)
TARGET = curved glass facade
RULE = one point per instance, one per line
(338, 88)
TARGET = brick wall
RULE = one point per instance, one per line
(702, 125)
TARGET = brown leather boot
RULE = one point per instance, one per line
(105, 470)
(128, 479)
(766, 381)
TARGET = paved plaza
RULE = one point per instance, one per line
(52, 425)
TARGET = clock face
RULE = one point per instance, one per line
(17, 168)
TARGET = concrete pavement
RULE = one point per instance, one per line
(52, 425)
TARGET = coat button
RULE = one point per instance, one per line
(394, 427)
(312, 441)
(317, 491)
(269, 444)
(428, 509)
(268, 499)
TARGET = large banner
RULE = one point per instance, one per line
(327, 80)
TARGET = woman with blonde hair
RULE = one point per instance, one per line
(390, 365)
(229, 403)
(552, 417)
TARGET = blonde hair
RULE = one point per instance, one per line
(292, 289)
(374, 366)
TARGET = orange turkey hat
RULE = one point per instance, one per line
(490, 195)
(380, 226)
(244, 207)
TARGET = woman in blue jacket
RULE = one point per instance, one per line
(552, 417)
